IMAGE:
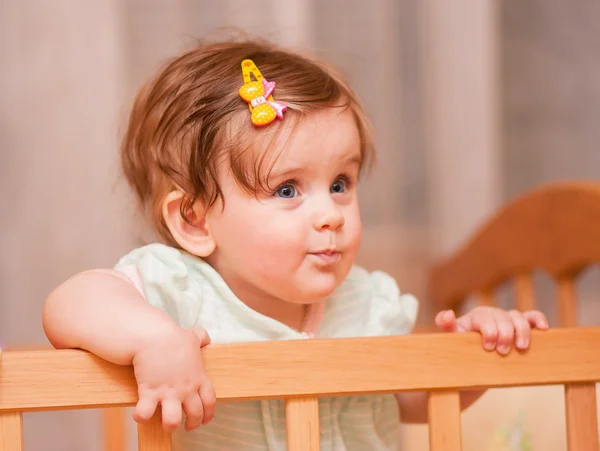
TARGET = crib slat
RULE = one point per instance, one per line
(302, 424)
(152, 437)
(486, 298)
(444, 421)
(567, 302)
(11, 431)
(582, 419)
(525, 292)
(114, 429)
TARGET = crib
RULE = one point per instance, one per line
(554, 228)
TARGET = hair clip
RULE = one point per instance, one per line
(259, 95)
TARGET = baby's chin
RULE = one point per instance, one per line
(307, 286)
(314, 293)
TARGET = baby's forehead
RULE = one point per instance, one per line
(310, 152)
(303, 136)
(300, 144)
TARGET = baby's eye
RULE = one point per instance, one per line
(286, 191)
(339, 186)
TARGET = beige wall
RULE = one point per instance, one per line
(61, 93)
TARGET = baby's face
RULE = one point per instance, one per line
(298, 242)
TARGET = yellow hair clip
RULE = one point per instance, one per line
(259, 95)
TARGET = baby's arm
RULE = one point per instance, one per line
(500, 330)
(101, 311)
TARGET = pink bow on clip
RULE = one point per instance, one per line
(264, 111)
(269, 87)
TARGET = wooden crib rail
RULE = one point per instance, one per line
(301, 371)
(555, 228)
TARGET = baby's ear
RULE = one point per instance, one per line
(191, 233)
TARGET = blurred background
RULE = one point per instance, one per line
(474, 102)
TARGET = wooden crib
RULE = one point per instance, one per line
(555, 228)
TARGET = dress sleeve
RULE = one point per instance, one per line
(162, 275)
(395, 312)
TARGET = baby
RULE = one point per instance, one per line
(245, 159)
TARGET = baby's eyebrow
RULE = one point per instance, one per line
(285, 172)
(354, 159)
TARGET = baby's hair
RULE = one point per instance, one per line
(190, 117)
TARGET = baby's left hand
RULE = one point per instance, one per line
(500, 329)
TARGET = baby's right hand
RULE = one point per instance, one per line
(170, 373)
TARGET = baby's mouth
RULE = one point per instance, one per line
(327, 256)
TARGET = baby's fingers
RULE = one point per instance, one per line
(202, 335)
(194, 411)
(536, 319)
(522, 329)
(171, 414)
(506, 331)
(446, 321)
(484, 322)
(145, 408)
(209, 400)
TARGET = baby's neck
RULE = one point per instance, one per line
(289, 313)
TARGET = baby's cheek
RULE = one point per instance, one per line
(283, 234)
(353, 233)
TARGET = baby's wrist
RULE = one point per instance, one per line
(159, 333)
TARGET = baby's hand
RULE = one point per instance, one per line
(170, 373)
(499, 329)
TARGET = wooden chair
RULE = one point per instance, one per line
(301, 371)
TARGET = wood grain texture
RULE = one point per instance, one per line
(582, 417)
(41, 380)
(302, 424)
(11, 431)
(444, 421)
(525, 293)
(487, 297)
(553, 228)
(567, 302)
(152, 437)
(115, 435)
